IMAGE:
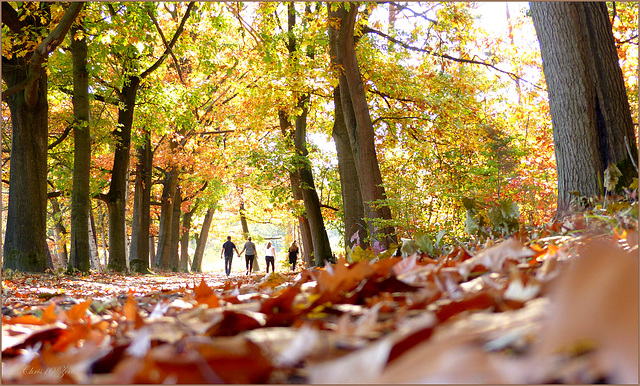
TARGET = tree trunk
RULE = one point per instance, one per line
(184, 239)
(80, 196)
(140, 248)
(589, 107)
(59, 234)
(117, 196)
(174, 254)
(25, 247)
(352, 206)
(319, 238)
(202, 242)
(361, 133)
(152, 250)
(93, 244)
(243, 220)
(166, 214)
(103, 236)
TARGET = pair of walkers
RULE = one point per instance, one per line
(250, 248)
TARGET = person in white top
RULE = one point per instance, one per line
(270, 256)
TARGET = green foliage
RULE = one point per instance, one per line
(495, 219)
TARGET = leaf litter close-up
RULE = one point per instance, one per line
(423, 192)
(517, 311)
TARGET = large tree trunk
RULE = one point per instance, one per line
(587, 96)
(362, 136)
(117, 197)
(80, 196)
(140, 249)
(166, 215)
(352, 206)
(25, 247)
(202, 242)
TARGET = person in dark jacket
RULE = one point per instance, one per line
(293, 255)
(227, 249)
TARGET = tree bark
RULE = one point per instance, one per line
(361, 133)
(140, 246)
(243, 219)
(116, 199)
(202, 242)
(184, 239)
(93, 244)
(59, 234)
(80, 196)
(174, 251)
(352, 206)
(25, 247)
(319, 239)
(166, 215)
(589, 106)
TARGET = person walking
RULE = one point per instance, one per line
(250, 248)
(270, 257)
(227, 249)
(293, 255)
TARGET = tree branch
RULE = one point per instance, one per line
(61, 138)
(48, 45)
(166, 45)
(328, 207)
(99, 98)
(171, 44)
(367, 29)
(10, 18)
(406, 8)
(398, 118)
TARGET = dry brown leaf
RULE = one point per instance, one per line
(596, 301)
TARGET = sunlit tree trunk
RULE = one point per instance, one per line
(184, 239)
(587, 96)
(202, 242)
(80, 196)
(59, 233)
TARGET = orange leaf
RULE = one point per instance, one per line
(49, 314)
(79, 311)
(23, 319)
(131, 312)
